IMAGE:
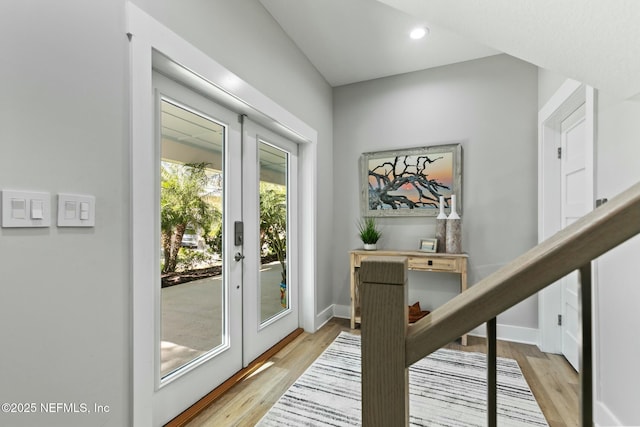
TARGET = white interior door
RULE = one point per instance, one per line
(270, 211)
(576, 202)
(198, 324)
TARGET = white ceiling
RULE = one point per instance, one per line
(354, 40)
(594, 41)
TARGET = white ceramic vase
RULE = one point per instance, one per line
(454, 230)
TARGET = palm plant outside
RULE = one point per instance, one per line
(185, 208)
(181, 206)
(273, 222)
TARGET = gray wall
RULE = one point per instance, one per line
(548, 83)
(617, 272)
(65, 304)
(488, 104)
(66, 293)
(618, 282)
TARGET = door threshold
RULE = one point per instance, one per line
(195, 409)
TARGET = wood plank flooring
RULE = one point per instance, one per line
(552, 380)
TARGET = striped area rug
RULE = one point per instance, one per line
(447, 388)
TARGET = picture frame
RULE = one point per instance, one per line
(429, 245)
(409, 182)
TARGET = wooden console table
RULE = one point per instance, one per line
(418, 261)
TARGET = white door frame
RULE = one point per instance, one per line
(570, 96)
(146, 36)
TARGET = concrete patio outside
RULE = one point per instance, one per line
(192, 316)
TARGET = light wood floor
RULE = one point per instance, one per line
(552, 380)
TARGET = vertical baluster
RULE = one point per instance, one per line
(492, 375)
(586, 360)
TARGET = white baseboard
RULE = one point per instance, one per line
(342, 311)
(323, 317)
(511, 333)
(603, 417)
(505, 332)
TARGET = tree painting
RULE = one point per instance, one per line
(411, 180)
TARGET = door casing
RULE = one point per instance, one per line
(566, 100)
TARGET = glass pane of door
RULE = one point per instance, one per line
(274, 211)
(191, 218)
(270, 297)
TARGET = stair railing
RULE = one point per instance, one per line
(390, 346)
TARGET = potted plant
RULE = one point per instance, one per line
(369, 233)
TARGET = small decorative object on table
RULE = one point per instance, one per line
(454, 230)
(416, 313)
(441, 227)
(429, 245)
(369, 233)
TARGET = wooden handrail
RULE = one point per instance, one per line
(576, 245)
(384, 309)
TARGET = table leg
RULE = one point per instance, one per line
(463, 287)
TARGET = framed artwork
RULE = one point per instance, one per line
(410, 182)
(429, 245)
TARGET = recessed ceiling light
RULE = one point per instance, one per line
(418, 33)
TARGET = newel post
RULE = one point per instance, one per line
(384, 320)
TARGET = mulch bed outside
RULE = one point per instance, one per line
(179, 277)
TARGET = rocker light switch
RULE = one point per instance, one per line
(70, 209)
(37, 209)
(84, 210)
(18, 208)
(25, 209)
(76, 210)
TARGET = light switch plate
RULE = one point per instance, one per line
(71, 212)
(18, 208)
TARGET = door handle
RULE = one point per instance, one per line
(238, 228)
(238, 256)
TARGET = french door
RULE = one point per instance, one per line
(226, 241)
(271, 225)
(198, 323)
